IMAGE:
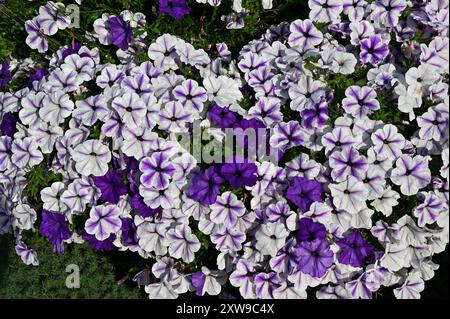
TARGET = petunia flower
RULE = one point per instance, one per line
(314, 257)
(222, 90)
(360, 101)
(388, 12)
(175, 8)
(388, 142)
(57, 106)
(103, 221)
(354, 249)
(131, 109)
(411, 173)
(227, 209)
(304, 34)
(308, 230)
(428, 212)
(121, 34)
(91, 109)
(326, 11)
(239, 172)
(25, 153)
(373, 50)
(270, 238)
(191, 95)
(156, 170)
(266, 283)
(347, 163)
(111, 186)
(183, 244)
(54, 226)
(205, 186)
(303, 192)
(28, 255)
(227, 239)
(208, 281)
(91, 157)
(349, 195)
(36, 39)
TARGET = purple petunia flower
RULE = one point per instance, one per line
(346, 163)
(121, 32)
(354, 249)
(8, 125)
(222, 116)
(239, 172)
(373, 50)
(5, 74)
(111, 186)
(303, 192)
(387, 12)
(198, 281)
(129, 231)
(55, 227)
(38, 75)
(99, 245)
(205, 186)
(175, 8)
(309, 230)
(156, 170)
(72, 48)
(314, 258)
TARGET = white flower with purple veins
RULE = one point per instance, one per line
(386, 202)
(28, 255)
(91, 157)
(387, 12)
(36, 38)
(156, 170)
(227, 209)
(338, 139)
(360, 30)
(152, 237)
(25, 153)
(388, 142)
(103, 221)
(75, 197)
(131, 109)
(222, 90)
(411, 288)
(173, 117)
(31, 106)
(278, 211)
(191, 95)
(183, 244)
(306, 92)
(52, 18)
(138, 142)
(354, 9)
(166, 198)
(304, 34)
(436, 53)
(208, 281)
(347, 163)
(360, 101)
(325, 10)
(265, 284)
(251, 61)
(434, 123)
(109, 76)
(242, 277)
(83, 66)
(270, 238)
(343, 63)
(287, 135)
(5, 153)
(163, 52)
(227, 239)
(46, 136)
(25, 216)
(267, 110)
(411, 174)
(91, 109)
(57, 106)
(51, 197)
(66, 80)
(350, 195)
(428, 212)
(139, 83)
(303, 166)
(375, 182)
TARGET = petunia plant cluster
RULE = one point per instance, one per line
(354, 103)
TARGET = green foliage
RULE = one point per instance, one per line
(48, 280)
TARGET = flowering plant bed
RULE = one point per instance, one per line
(238, 150)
